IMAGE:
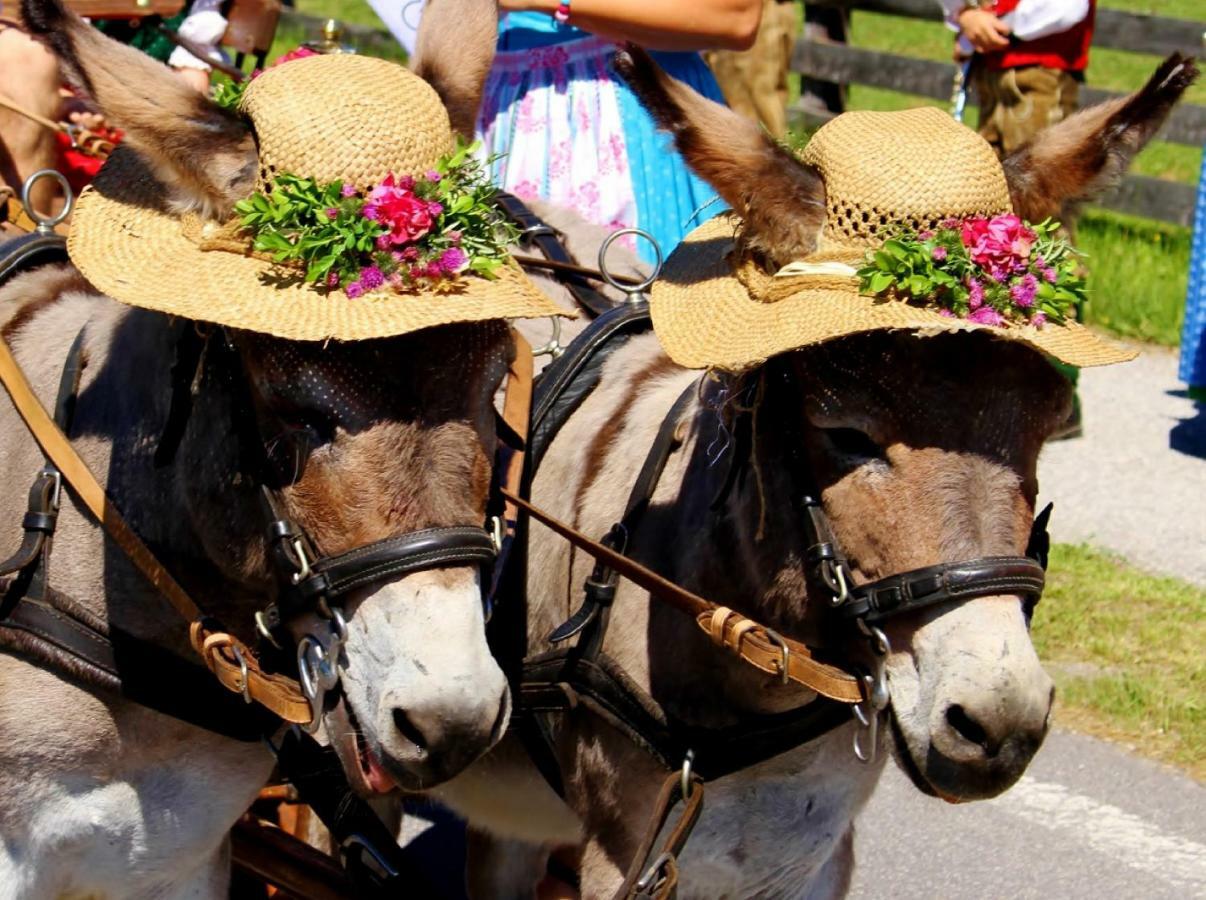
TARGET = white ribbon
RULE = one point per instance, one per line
(830, 269)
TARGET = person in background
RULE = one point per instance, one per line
(754, 82)
(1029, 61)
(1193, 332)
(202, 23)
(563, 126)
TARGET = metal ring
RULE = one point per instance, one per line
(305, 672)
(238, 654)
(685, 782)
(552, 347)
(46, 226)
(649, 879)
(784, 653)
(632, 290)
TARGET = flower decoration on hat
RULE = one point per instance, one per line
(991, 271)
(402, 234)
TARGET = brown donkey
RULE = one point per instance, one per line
(923, 450)
(361, 442)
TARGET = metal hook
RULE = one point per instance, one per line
(46, 226)
(243, 674)
(685, 782)
(553, 346)
(636, 291)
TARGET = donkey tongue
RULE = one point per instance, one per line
(377, 778)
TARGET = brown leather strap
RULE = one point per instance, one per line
(658, 880)
(221, 652)
(517, 412)
(756, 644)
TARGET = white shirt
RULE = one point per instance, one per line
(1030, 19)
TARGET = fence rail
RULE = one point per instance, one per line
(1152, 198)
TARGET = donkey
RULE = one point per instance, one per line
(103, 797)
(924, 450)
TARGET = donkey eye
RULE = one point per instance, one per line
(854, 444)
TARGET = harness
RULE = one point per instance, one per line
(580, 674)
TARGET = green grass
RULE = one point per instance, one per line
(1125, 648)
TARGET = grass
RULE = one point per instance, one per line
(1125, 649)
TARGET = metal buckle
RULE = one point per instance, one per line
(238, 655)
(318, 666)
(540, 229)
(876, 697)
(553, 347)
(56, 476)
(784, 653)
(653, 875)
(368, 857)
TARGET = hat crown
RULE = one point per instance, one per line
(884, 170)
(347, 118)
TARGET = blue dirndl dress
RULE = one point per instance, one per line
(1193, 332)
(566, 128)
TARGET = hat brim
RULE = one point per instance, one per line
(705, 316)
(127, 243)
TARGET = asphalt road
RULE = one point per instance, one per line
(1087, 822)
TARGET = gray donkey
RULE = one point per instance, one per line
(101, 796)
(924, 451)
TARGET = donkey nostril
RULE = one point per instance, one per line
(408, 729)
(966, 726)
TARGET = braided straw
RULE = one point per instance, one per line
(712, 308)
(332, 118)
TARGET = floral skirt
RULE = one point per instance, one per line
(567, 129)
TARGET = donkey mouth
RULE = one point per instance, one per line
(357, 752)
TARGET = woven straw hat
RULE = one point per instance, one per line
(712, 308)
(340, 117)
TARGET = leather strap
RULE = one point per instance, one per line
(517, 414)
(758, 645)
(535, 231)
(229, 659)
(659, 880)
(949, 582)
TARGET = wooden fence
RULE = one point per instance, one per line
(1153, 198)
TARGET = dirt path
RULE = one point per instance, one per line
(1136, 482)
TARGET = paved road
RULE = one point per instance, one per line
(1087, 822)
(1136, 482)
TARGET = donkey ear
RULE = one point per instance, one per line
(201, 151)
(1079, 159)
(781, 200)
(454, 52)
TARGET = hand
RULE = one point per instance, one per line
(986, 32)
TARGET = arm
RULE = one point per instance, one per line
(662, 24)
(1033, 19)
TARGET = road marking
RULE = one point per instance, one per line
(1109, 830)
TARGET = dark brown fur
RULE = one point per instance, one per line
(1073, 162)
(781, 200)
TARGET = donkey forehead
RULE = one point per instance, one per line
(450, 366)
(901, 386)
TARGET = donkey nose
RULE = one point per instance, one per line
(439, 742)
(997, 729)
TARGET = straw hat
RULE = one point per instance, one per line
(712, 308)
(330, 118)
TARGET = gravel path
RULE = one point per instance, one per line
(1136, 482)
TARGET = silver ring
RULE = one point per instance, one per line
(632, 290)
(685, 782)
(45, 226)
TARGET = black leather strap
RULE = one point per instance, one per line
(535, 231)
(28, 251)
(946, 583)
(371, 857)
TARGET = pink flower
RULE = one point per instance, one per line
(435, 208)
(1038, 320)
(938, 253)
(975, 294)
(383, 242)
(407, 217)
(370, 211)
(1000, 244)
(332, 279)
(454, 236)
(433, 270)
(925, 235)
(332, 212)
(1023, 291)
(354, 290)
(348, 190)
(986, 315)
(433, 176)
(453, 260)
(296, 53)
(371, 278)
(1049, 274)
(946, 314)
